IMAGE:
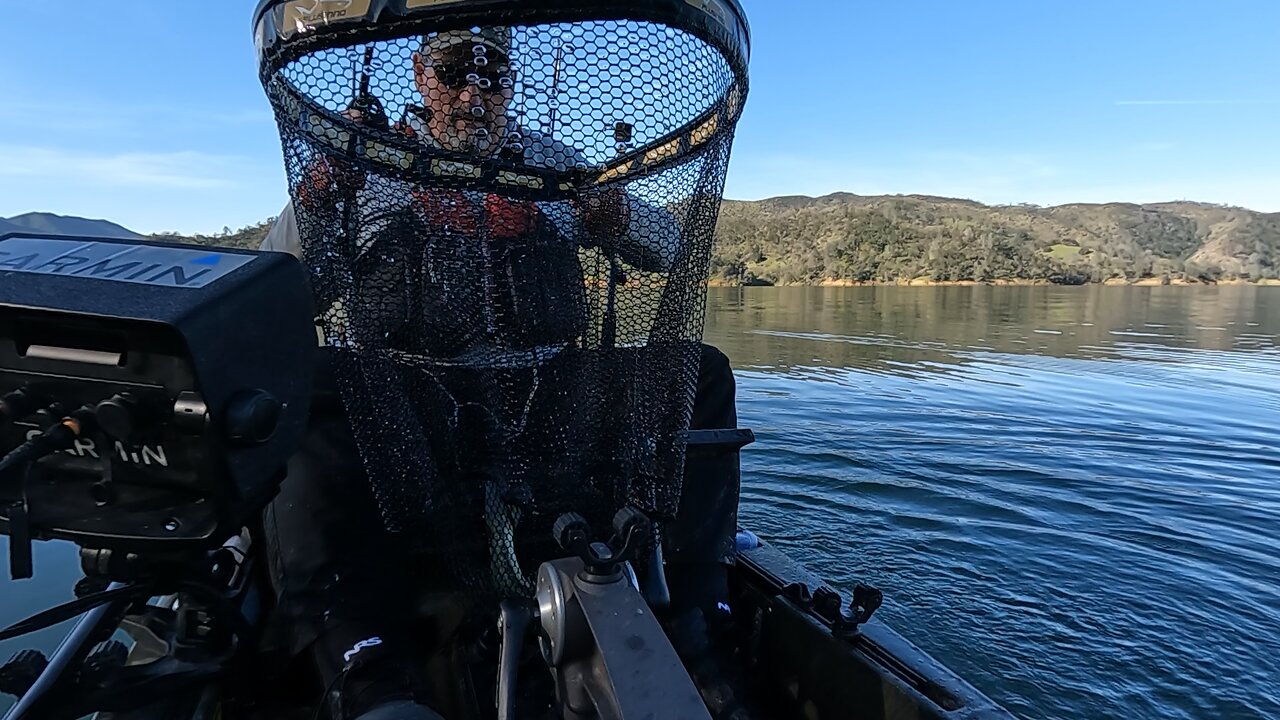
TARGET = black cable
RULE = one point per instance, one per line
(68, 610)
(59, 436)
(340, 683)
(16, 457)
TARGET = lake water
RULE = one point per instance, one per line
(1071, 496)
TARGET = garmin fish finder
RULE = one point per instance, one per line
(150, 394)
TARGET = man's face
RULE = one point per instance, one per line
(466, 90)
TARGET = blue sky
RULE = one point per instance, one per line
(150, 114)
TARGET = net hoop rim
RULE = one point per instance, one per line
(403, 158)
(720, 23)
(375, 20)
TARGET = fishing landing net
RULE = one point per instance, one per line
(507, 213)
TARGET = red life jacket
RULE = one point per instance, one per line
(500, 217)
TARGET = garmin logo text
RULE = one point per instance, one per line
(141, 264)
(146, 455)
(153, 273)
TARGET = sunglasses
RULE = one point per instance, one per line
(459, 75)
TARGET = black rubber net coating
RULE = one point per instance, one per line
(509, 231)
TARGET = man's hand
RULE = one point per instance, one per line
(606, 214)
(329, 180)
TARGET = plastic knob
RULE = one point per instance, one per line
(106, 657)
(21, 672)
(117, 416)
(570, 529)
(627, 518)
(252, 417)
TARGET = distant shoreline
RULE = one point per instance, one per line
(838, 282)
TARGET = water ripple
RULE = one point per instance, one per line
(1079, 517)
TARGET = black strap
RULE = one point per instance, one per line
(721, 439)
(20, 560)
(21, 534)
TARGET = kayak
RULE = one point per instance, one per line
(794, 648)
(805, 666)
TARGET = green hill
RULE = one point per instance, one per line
(249, 237)
(852, 238)
(844, 237)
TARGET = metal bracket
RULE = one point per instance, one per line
(611, 658)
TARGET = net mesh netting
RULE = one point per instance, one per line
(509, 230)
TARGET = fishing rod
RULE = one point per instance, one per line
(365, 109)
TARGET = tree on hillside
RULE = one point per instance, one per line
(805, 240)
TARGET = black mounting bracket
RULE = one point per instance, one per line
(845, 620)
(603, 561)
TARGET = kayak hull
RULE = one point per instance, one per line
(801, 668)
